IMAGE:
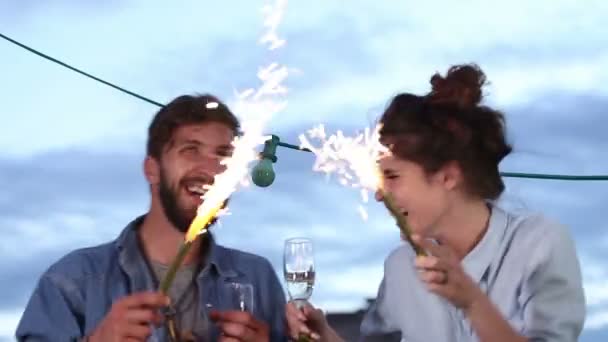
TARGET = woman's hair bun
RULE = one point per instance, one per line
(461, 86)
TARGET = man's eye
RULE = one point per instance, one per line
(224, 153)
(391, 176)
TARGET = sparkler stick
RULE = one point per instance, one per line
(184, 248)
(387, 198)
(197, 227)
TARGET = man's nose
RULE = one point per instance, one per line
(210, 163)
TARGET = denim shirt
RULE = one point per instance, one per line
(527, 266)
(74, 294)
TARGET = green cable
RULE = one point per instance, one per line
(560, 177)
(79, 71)
(508, 174)
(294, 147)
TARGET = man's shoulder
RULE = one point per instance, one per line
(84, 262)
(247, 264)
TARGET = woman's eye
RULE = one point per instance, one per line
(189, 149)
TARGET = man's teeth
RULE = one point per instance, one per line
(198, 189)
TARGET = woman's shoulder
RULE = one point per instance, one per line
(534, 224)
(537, 234)
(401, 257)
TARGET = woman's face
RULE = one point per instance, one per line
(423, 197)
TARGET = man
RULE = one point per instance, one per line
(108, 292)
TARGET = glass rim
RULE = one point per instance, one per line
(298, 240)
(237, 284)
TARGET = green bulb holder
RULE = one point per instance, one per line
(263, 174)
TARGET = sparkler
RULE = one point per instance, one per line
(354, 160)
(254, 107)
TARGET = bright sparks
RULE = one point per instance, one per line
(274, 15)
(254, 107)
(354, 160)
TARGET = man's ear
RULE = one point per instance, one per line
(152, 170)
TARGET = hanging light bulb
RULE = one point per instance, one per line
(263, 174)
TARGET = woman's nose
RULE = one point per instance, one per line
(379, 196)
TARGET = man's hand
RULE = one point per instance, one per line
(240, 326)
(130, 317)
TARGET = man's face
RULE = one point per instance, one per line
(188, 163)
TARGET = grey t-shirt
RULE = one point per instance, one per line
(191, 321)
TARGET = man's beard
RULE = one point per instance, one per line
(169, 198)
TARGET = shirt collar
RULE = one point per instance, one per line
(221, 259)
(131, 257)
(478, 260)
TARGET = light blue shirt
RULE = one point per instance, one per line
(74, 294)
(526, 264)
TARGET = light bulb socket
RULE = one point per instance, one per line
(270, 149)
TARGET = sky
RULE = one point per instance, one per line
(72, 149)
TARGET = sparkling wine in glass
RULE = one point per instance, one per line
(299, 269)
(240, 296)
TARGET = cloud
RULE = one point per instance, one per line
(348, 71)
(156, 58)
(562, 124)
(92, 196)
(59, 201)
(22, 273)
(80, 179)
(401, 52)
(71, 165)
(597, 320)
(8, 322)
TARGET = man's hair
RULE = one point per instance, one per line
(186, 110)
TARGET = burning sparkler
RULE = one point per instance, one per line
(254, 107)
(354, 160)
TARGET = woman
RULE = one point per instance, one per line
(489, 275)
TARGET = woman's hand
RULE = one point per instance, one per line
(308, 321)
(444, 275)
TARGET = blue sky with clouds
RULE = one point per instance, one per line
(70, 167)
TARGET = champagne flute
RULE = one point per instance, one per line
(299, 272)
(299, 269)
(240, 296)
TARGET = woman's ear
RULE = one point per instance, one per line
(450, 175)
